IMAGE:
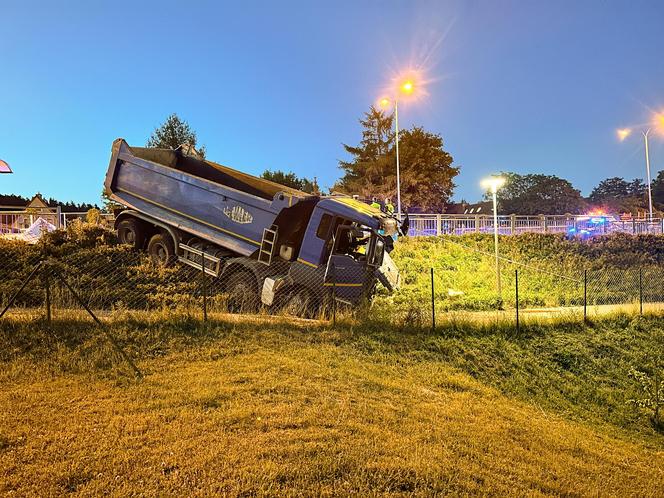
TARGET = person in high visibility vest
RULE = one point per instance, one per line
(375, 203)
(389, 207)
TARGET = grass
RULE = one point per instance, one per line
(550, 267)
(257, 406)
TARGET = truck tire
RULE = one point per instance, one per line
(161, 249)
(301, 302)
(242, 292)
(131, 232)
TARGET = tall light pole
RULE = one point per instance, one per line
(645, 140)
(494, 183)
(623, 133)
(407, 88)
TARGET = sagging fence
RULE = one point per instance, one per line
(114, 280)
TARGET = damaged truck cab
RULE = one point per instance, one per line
(265, 242)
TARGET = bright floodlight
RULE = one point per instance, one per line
(384, 102)
(407, 87)
(623, 133)
(659, 122)
(493, 183)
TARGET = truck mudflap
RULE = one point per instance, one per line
(388, 274)
(270, 287)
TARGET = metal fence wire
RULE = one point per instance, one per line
(114, 279)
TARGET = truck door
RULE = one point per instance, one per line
(346, 269)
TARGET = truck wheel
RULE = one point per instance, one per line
(242, 292)
(161, 249)
(301, 302)
(130, 232)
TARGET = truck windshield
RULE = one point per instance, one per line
(359, 242)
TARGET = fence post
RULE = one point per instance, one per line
(433, 305)
(47, 290)
(640, 291)
(512, 224)
(334, 296)
(204, 286)
(439, 223)
(585, 296)
(516, 288)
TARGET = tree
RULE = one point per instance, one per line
(173, 133)
(618, 195)
(426, 168)
(108, 204)
(535, 194)
(657, 188)
(291, 180)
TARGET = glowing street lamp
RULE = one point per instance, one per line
(407, 87)
(494, 183)
(623, 133)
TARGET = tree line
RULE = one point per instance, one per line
(427, 174)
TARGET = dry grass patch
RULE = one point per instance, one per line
(280, 413)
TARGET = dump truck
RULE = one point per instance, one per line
(268, 244)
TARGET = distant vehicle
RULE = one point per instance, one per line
(592, 224)
(267, 243)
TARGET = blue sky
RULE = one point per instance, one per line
(526, 86)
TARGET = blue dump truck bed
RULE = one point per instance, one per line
(200, 197)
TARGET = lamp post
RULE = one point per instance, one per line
(407, 88)
(494, 183)
(645, 140)
(623, 133)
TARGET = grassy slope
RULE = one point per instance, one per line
(249, 407)
(551, 273)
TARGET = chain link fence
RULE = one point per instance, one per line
(114, 279)
(108, 280)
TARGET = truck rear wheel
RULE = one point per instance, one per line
(161, 249)
(130, 232)
(301, 302)
(242, 292)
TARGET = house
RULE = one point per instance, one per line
(16, 215)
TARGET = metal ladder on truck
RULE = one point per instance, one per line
(268, 245)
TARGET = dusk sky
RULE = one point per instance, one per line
(525, 86)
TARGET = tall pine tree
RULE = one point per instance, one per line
(173, 133)
(426, 169)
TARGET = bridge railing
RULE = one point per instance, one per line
(453, 224)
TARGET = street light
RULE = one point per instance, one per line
(407, 87)
(623, 133)
(494, 183)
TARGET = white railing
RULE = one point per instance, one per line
(453, 224)
(66, 218)
(28, 224)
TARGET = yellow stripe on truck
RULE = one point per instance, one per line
(188, 216)
(307, 263)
